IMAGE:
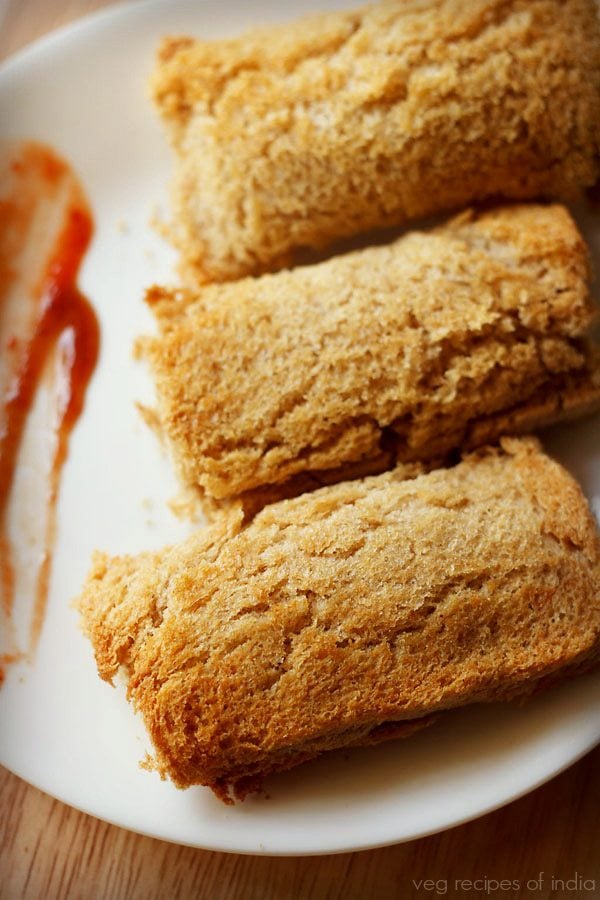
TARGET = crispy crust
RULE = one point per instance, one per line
(395, 353)
(295, 136)
(334, 617)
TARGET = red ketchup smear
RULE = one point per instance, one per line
(63, 327)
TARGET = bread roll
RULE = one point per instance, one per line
(344, 616)
(298, 135)
(396, 353)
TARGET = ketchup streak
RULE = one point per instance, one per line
(66, 325)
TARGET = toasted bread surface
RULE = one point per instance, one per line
(298, 135)
(403, 352)
(333, 618)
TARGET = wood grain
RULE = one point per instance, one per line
(50, 851)
(26, 20)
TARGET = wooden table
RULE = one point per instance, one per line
(48, 850)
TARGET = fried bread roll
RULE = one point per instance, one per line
(398, 353)
(351, 614)
(298, 135)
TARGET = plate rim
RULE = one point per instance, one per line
(33, 53)
(554, 772)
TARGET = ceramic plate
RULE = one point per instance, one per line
(83, 91)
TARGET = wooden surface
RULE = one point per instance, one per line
(48, 850)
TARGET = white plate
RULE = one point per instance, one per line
(83, 91)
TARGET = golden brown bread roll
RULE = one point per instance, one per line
(298, 135)
(402, 352)
(336, 618)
